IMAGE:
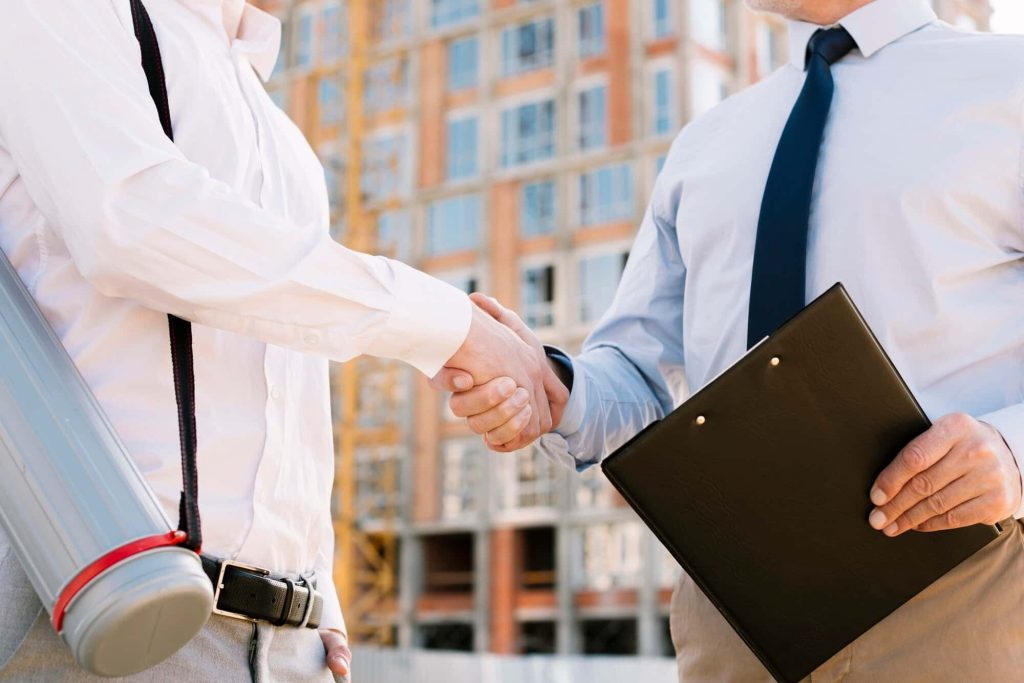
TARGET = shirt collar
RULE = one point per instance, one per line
(251, 32)
(873, 26)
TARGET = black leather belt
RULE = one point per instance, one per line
(244, 592)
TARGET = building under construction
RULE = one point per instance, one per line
(505, 146)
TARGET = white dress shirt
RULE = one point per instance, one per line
(918, 210)
(111, 226)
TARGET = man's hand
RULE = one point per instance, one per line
(958, 473)
(496, 357)
(497, 409)
(339, 657)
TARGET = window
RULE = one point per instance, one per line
(387, 86)
(526, 480)
(606, 195)
(334, 169)
(460, 473)
(468, 283)
(599, 278)
(610, 556)
(453, 224)
(389, 20)
(448, 12)
(377, 486)
(593, 112)
(661, 18)
(708, 86)
(593, 491)
(663, 109)
(659, 163)
(305, 38)
(335, 42)
(591, 25)
(462, 148)
(528, 47)
(394, 235)
(528, 133)
(709, 23)
(329, 100)
(463, 60)
(385, 167)
(537, 296)
(537, 215)
(279, 96)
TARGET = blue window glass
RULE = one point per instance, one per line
(606, 195)
(528, 47)
(449, 12)
(385, 172)
(335, 42)
(304, 37)
(599, 279)
(528, 133)
(537, 296)
(593, 111)
(393, 234)
(537, 214)
(662, 102)
(462, 148)
(463, 63)
(453, 224)
(386, 86)
(329, 101)
(591, 26)
(662, 18)
(659, 163)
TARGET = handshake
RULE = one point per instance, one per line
(502, 381)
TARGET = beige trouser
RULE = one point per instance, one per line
(968, 626)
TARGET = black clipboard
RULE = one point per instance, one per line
(758, 486)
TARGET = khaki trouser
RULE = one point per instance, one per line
(968, 626)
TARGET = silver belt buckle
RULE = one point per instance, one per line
(220, 586)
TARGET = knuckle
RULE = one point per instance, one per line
(937, 503)
(957, 422)
(953, 518)
(476, 424)
(922, 485)
(915, 457)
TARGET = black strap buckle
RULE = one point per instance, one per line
(224, 564)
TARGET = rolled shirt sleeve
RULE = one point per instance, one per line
(143, 222)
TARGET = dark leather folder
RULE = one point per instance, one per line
(758, 485)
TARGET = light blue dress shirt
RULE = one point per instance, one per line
(918, 210)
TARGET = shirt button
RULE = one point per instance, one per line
(312, 339)
(275, 393)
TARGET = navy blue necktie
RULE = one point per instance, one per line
(778, 283)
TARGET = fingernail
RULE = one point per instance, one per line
(877, 518)
(891, 529)
(462, 383)
(521, 397)
(507, 386)
(878, 496)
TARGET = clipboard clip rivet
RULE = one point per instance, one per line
(701, 419)
(775, 361)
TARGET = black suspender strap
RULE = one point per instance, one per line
(180, 330)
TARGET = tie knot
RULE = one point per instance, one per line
(831, 44)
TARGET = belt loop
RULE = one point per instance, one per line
(308, 581)
(288, 599)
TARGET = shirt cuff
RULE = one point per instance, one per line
(575, 409)
(1010, 423)
(428, 324)
(331, 616)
